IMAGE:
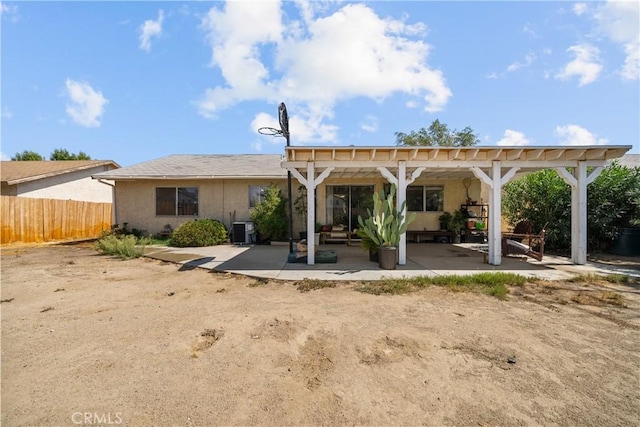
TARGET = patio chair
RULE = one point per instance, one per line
(524, 241)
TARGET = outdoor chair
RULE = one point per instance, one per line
(524, 241)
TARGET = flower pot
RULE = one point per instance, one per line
(387, 256)
(373, 255)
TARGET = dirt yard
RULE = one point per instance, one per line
(88, 339)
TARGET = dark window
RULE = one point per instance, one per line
(256, 194)
(177, 201)
(425, 199)
(415, 198)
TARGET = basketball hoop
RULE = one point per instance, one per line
(283, 118)
(270, 131)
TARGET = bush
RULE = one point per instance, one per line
(199, 232)
(270, 215)
(543, 198)
(123, 246)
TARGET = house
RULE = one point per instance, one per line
(341, 180)
(174, 189)
(59, 179)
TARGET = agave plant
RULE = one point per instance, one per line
(385, 224)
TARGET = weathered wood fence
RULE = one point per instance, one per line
(30, 220)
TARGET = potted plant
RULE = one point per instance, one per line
(385, 225)
(445, 220)
(368, 245)
(454, 223)
(458, 222)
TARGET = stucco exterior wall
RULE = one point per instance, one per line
(71, 186)
(455, 194)
(228, 201)
(224, 200)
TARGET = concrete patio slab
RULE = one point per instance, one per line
(423, 259)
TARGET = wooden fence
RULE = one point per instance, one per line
(30, 220)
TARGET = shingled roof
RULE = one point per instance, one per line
(201, 166)
(16, 172)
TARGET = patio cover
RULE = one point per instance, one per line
(494, 166)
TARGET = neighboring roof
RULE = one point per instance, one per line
(202, 166)
(630, 160)
(16, 172)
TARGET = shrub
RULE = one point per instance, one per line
(199, 232)
(123, 246)
(270, 215)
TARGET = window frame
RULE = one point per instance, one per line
(425, 198)
(178, 205)
(263, 189)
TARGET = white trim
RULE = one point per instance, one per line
(485, 163)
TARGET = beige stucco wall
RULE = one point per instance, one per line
(455, 194)
(224, 200)
(228, 201)
(70, 186)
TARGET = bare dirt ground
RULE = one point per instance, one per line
(141, 342)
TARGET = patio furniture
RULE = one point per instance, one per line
(338, 234)
(440, 236)
(524, 241)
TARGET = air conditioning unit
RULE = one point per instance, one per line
(243, 232)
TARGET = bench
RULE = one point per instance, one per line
(440, 236)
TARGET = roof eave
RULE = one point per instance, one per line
(60, 172)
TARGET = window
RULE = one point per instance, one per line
(425, 199)
(346, 202)
(177, 201)
(256, 194)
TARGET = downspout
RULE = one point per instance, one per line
(114, 215)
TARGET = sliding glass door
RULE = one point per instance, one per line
(346, 202)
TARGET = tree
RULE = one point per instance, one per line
(438, 134)
(27, 155)
(62, 154)
(544, 199)
(270, 215)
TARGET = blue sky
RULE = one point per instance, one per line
(134, 81)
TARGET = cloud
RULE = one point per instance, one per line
(305, 126)
(528, 60)
(4, 157)
(586, 64)
(317, 61)
(580, 8)
(528, 30)
(10, 12)
(87, 105)
(369, 124)
(150, 29)
(577, 135)
(514, 66)
(620, 22)
(6, 113)
(513, 138)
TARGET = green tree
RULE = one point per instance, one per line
(613, 202)
(544, 199)
(270, 215)
(438, 134)
(63, 154)
(27, 155)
